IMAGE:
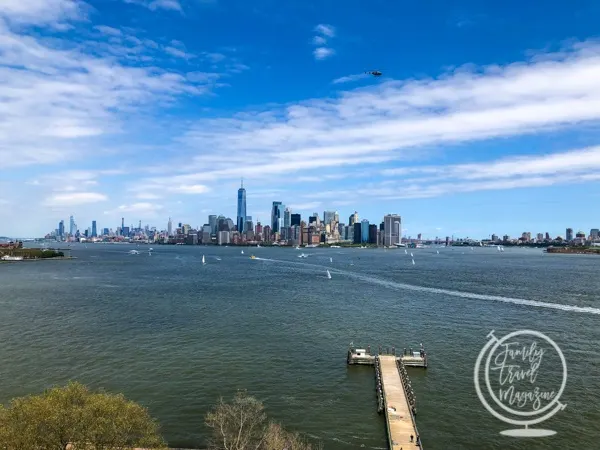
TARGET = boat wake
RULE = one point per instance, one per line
(461, 294)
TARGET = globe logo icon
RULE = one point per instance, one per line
(524, 374)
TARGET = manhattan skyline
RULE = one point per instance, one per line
(155, 109)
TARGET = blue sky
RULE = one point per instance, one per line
(485, 119)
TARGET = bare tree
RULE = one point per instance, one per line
(242, 424)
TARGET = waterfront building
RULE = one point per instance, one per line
(276, 217)
(212, 223)
(357, 232)
(223, 238)
(373, 234)
(569, 234)
(353, 219)
(392, 228)
(594, 233)
(241, 208)
(364, 231)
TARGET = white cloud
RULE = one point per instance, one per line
(305, 206)
(325, 30)
(42, 12)
(395, 120)
(323, 53)
(54, 101)
(178, 53)
(143, 209)
(108, 30)
(74, 199)
(190, 189)
(348, 78)
(319, 40)
(165, 4)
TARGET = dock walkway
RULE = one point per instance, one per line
(399, 419)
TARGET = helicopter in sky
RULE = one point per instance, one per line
(375, 73)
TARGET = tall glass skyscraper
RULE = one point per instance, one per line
(364, 231)
(241, 208)
(94, 230)
(276, 217)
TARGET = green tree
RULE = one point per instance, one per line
(242, 424)
(72, 417)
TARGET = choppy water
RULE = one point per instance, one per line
(175, 335)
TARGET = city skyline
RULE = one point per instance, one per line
(155, 109)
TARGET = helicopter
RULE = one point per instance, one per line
(375, 73)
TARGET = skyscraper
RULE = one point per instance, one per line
(392, 228)
(122, 226)
(364, 231)
(94, 230)
(276, 216)
(241, 208)
(569, 234)
(329, 216)
(212, 222)
(353, 218)
(71, 226)
(170, 227)
(61, 228)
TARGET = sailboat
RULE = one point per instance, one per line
(438, 252)
(242, 252)
(203, 260)
(413, 261)
(328, 275)
(405, 252)
(411, 255)
(330, 259)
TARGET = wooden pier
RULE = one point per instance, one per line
(394, 392)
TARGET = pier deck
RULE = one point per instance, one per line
(399, 419)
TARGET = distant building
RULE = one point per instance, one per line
(94, 230)
(364, 231)
(594, 233)
(170, 227)
(241, 208)
(569, 234)
(540, 237)
(392, 228)
(212, 223)
(494, 238)
(276, 216)
(223, 238)
(295, 220)
(329, 217)
(353, 218)
(373, 234)
(357, 232)
(61, 229)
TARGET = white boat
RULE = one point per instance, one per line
(242, 252)
(134, 252)
(328, 275)
(411, 255)
(297, 247)
(150, 249)
(334, 246)
(413, 262)
(203, 260)
(311, 246)
(257, 245)
(438, 252)
(302, 255)
(12, 258)
(330, 259)
(405, 252)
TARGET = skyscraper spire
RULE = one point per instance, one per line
(242, 182)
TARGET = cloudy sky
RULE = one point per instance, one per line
(485, 119)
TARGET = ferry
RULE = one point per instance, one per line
(252, 257)
(12, 258)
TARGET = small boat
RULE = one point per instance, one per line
(438, 252)
(252, 257)
(242, 252)
(411, 255)
(330, 259)
(12, 258)
(413, 262)
(405, 252)
(257, 245)
(203, 260)
(150, 249)
(328, 275)
(134, 252)
(302, 255)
